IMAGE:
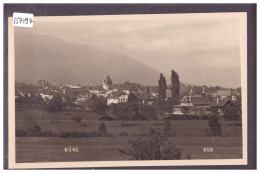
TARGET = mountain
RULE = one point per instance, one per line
(42, 57)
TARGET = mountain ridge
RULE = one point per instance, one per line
(39, 56)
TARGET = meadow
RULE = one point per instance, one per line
(191, 135)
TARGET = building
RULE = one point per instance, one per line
(221, 104)
(146, 98)
(107, 82)
(194, 105)
(43, 83)
(117, 97)
(97, 90)
(223, 94)
(129, 87)
(194, 101)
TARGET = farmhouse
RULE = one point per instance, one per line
(46, 97)
(129, 87)
(117, 97)
(223, 94)
(146, 98)
(43, 83)
(196, 105)
(154, 91)
(194, 101)
(221, 104)
(98, 89)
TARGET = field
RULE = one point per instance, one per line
(191, 135)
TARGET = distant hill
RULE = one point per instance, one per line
(41, 57)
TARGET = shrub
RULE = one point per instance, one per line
(98, 134)
(156, 147)
(102, 128)
(48, 134)
(24, 133)
(128, 111)
(148, 112)
(74, 134)
(123, 133)
(168, 129)
(106, 118)
(188, 117)
(95, 134)
(20, 132)
(31, 126)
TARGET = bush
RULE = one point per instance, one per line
(24, 133)
(106, 118)
(156, 147)
(168, 129)
(31, 126)
(148, 112)
(95, 134)
(74, 134)
(128, 111)
(48, 134)
(188, 117)
(20, 132)
(102, 128)
(98, 134)
(123, 133)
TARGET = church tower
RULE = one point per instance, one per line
(107, 82)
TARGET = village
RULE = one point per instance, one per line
(113, 114)
(196, 100)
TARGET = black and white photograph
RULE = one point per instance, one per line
(144, 89)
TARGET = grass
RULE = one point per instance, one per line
(37, 149)
(191, 136)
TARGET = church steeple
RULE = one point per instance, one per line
(107, 82)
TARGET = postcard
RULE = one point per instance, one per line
(128, 90)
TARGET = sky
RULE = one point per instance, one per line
(203, 50)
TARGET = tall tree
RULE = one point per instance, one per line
(175, 89)
(132, 98)
(55, 105)
(162, 92)
(98, 105)
(215, 125)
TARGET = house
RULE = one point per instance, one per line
(129, 87)
(43, 84)
(117, 97)
(146, 98)
(194, 105)
(24, 90)
(221, 104)
(223, 94)
(98, 89)
(46, 97)
(154, 90)
(196, 100)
